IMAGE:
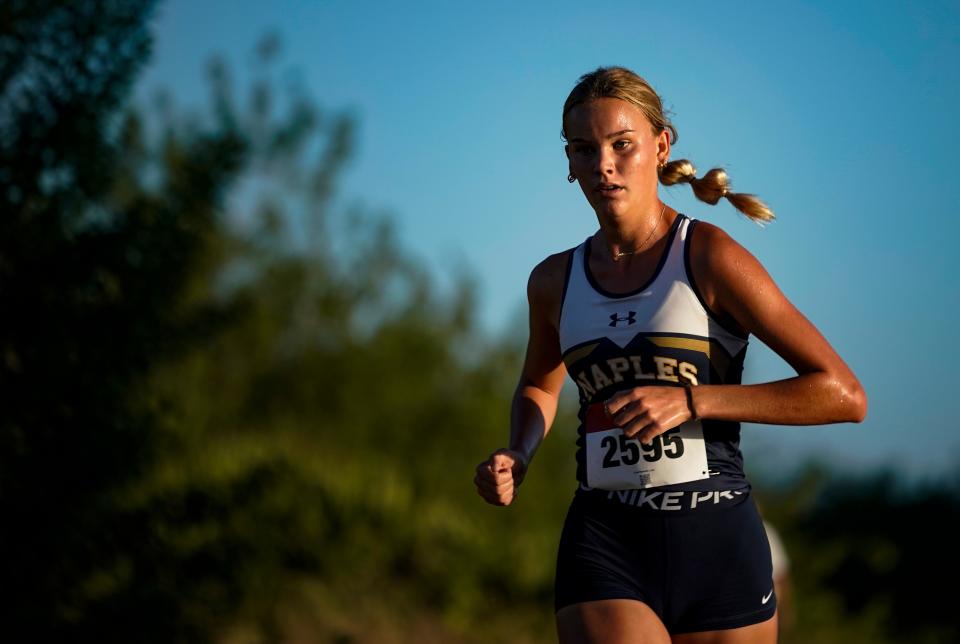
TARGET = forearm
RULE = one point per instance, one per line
(531, 417)
(809, 399)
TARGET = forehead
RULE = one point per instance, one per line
(601, 116)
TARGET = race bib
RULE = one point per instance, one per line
(615, 462)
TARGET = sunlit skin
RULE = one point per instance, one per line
(610, 141)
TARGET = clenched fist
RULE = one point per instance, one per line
(499, 476)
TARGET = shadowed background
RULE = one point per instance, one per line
(261, 276)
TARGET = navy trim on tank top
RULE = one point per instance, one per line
(674, 227)
(566, 282)
(696, 289)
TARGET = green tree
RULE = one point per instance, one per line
(80, 286)
(231, 410)
(206, 415)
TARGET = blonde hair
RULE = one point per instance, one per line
(620, 82)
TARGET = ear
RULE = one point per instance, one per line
(663, 145)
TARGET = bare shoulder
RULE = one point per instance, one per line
(545, 286)
(726, 273)
(550, 272)
(712, 245)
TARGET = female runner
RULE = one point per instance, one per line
(650, 317)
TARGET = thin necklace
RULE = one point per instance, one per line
(623, 253)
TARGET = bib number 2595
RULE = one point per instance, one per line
(620, 450)
(615, 462)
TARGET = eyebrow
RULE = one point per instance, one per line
(609, 136)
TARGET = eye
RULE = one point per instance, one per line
(621, 144)
(582, 149)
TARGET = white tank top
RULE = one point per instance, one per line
(660, 333)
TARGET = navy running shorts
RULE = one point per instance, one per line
(700, 560)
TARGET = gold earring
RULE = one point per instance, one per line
(571, 178)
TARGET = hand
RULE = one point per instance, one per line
(647, 412)
(499, 476)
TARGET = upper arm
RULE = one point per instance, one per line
(543, 365)
(736, 285)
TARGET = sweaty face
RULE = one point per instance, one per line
(614, 154)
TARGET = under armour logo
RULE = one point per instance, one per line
(629, 318)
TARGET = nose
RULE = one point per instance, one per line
(605, 162)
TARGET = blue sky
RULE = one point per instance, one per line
(842, 116)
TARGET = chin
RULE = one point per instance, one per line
(611, 210)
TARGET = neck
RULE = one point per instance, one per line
(625, 238)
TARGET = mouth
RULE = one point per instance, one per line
(608, 189)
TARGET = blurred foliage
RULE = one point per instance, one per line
(235, 411)
(870, 556)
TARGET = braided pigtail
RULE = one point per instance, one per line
(712, 186)
(620, 82)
